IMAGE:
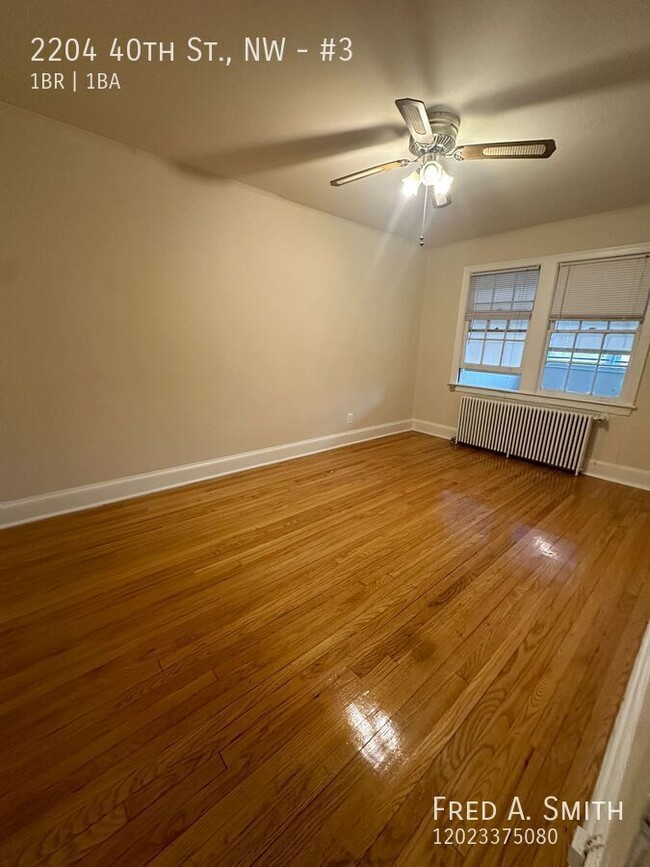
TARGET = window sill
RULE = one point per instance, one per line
(561, 401)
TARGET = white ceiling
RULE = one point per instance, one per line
(577, 71)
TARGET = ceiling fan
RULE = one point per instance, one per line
(432, 137)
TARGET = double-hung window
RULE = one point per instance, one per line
(597, 312)
(499, 307)
(559, 328)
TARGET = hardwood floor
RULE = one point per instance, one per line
(286, 666)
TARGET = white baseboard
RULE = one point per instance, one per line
(88, 496)
(434, 430)
(633, 476)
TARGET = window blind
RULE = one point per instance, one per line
(493, 294)
(615, 288)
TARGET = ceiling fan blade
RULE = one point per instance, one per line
(372, 170)
(416, 119)
(537, 149)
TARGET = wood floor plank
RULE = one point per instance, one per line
(356, 784)
(285, 666)
(462, 758)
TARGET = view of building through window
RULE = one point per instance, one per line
(588, 356)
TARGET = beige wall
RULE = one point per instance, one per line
(150, 318)
(625, 440)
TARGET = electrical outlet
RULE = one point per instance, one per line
(350, 417)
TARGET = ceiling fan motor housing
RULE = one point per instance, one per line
(444, 125)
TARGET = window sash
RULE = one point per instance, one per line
(488, 338)
(592, 358)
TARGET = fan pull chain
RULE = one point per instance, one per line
(424, 217)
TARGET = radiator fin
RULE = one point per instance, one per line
(538, 433)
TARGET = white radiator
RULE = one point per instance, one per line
(538, 433)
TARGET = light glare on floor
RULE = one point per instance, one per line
(375, 734)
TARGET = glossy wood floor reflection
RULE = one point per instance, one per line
(285, 666)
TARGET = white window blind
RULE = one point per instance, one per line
(603, 289)
(495, 293)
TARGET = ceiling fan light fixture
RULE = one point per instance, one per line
(440, 199)
(433, 175)
(443, 184)
(430, 173)
(411, 184)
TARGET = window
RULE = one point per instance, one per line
(496, 323)
(597, 310)
(588, 356)
(561, 329)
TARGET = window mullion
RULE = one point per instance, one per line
(534, 349)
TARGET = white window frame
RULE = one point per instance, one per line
(492, 368)
(534, 355)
